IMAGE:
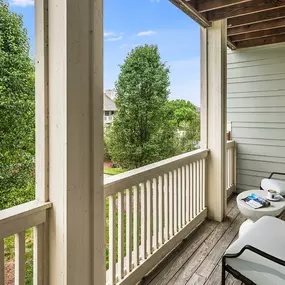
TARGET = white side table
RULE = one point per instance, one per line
(252, 215)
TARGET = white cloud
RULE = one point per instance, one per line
(22, 3)
(145, 33)
(114, 39)
(108, 34)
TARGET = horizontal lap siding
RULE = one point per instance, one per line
(256, 108)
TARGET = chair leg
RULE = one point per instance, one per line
(223, 271)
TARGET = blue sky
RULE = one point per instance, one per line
(128, 23)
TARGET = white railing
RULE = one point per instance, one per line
(15, 221)
(230, 167)
(149, 211)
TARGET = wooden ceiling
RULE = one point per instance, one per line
(250, 22)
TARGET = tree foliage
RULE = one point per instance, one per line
(141, 133)
(17, 107)
(184, 116)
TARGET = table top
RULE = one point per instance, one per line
(275, 208)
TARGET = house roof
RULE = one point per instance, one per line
(249, 22)
(109, 104)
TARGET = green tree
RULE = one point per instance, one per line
(184, 116)
(141, 133)
(17, 107)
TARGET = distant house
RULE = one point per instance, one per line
(109, 110)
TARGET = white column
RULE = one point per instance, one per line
(76, 221)
(214, 117)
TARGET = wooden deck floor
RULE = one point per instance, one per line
(198, 259)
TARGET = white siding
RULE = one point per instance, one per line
(256, 109)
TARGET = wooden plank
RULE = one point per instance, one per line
(136, 230)
(112, 240)
(230, 44)
(149, 217)
(257, 35)
(161, 211)
(208, 5)
(40, 254)
(238, 10)
(256, 18)
(191, 12)
(121, 235)
(166, 206)
(197, 279)
(256, 27)
(189, 268)
(208, 265)
(191, 244)
(155, 212)
(20, 262)
(261, 41)
(129, 229)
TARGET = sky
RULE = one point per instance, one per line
(129, 23)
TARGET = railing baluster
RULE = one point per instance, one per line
(39, 239)
(136, 226)
(149, 217)
(183, 195)
(204, 182)
(155, 212)
(161, 210)
(175, 185)
(112, 240)
(121, 235)
(191, 193)
(143, 221)
(171, 203)
(166, 206)
(129, 229)
(194, 190)
(20, 263)
(179, 199)
(198, 186)
(187, 194)
(2, 265)
(201, 185)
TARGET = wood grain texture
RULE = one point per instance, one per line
(243, 9)
(256, 18)
(261, 41)
(258, 34)
(208, 5)
(279, 23)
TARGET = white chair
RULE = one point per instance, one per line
(274, 184)
(258, 256)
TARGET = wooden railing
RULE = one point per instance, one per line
(230, 167)
(15, 221)
(149, 211)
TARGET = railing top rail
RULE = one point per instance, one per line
(230, 144)
(142, 174)
(16, 219)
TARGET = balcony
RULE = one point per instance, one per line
(150, 211)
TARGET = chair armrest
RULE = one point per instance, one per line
(257, 251)
(277, 173)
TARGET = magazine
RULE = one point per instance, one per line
(255, 201)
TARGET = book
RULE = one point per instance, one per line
(255, 201)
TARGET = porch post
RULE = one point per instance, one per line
(76, 221)
(214, 82)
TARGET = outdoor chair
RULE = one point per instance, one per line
(258, 256)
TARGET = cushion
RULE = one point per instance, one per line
(274, 184)
(268, 235)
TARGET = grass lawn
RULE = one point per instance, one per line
(114, 171)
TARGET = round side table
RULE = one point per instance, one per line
(252, 215)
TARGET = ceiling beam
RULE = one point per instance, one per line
(257, 27)
(257, 18)
(261, 41)
(191, 12)
(247, 8)
(231, 45)
(257, 35)
(208, 5)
